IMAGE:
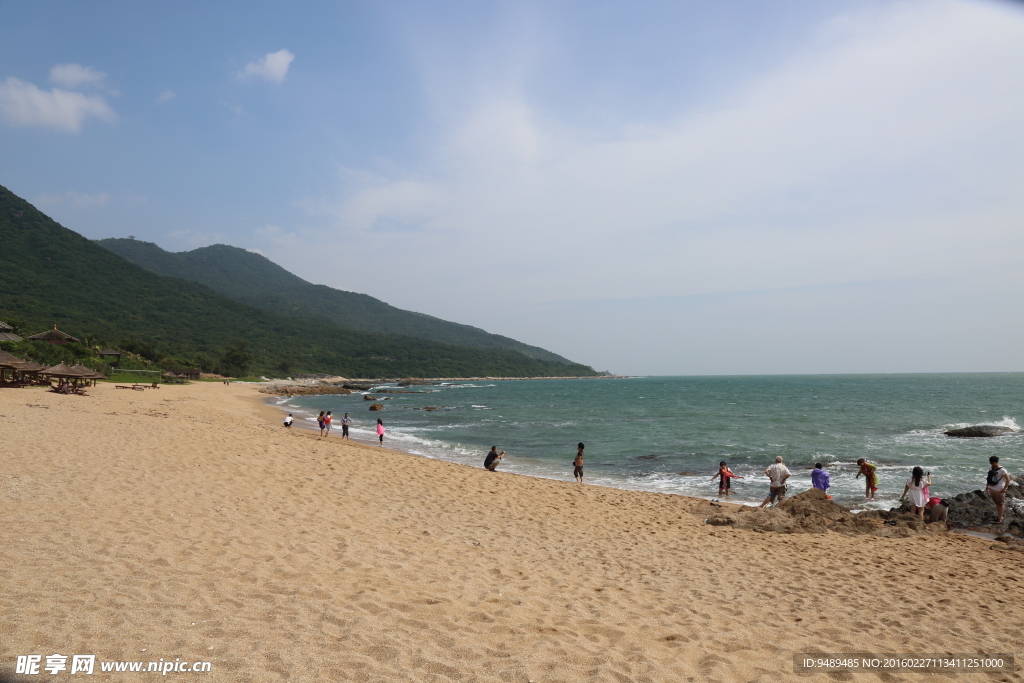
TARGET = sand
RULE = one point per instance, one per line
(186, 523)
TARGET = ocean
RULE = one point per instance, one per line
(668, 434)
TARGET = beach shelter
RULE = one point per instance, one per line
(8, 362)
(112, 356)
(88, 373)
(62, 371)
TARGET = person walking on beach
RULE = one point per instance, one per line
(724, 484)
(288, 420)
(345, 422)
(995, 486)
(917, 487)
(327, 423)
(380, 431)
(493, 459)
(577, 464)
(320, 421)
(777, 475)
(820, 478)
(870, 473)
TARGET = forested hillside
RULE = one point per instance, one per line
(51, 275)
(255, 280)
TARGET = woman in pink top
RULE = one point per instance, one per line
(380, 431)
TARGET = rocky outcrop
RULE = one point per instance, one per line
(377, 406)
(367, 397)
(302, 390)
(415, 382)
(979, 430)
(812, 512)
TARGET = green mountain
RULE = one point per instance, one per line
(256, 280)
(51, 275)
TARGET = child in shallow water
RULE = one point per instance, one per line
(724, 485)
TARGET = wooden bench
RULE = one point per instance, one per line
(122, 386)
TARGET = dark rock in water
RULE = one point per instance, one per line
(367, 397)
(377, 406)
(980, 430)
(358, 387)
(646, 457)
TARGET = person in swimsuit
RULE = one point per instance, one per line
(320, 421)
(724, 485)
(380, 431)
(577, 464)
(327, 423)
(870, 473)
(345, 422)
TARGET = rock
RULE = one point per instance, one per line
(367, 397)
(377, 406)
(980, 430)
(300, 390)
(721, 520)
(415, 382)
(358, 387)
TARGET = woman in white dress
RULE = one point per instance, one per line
(916, 490)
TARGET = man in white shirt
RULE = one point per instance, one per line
(995, 485)
(778, 474)
(288, 420)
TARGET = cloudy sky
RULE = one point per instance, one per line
(817, 186)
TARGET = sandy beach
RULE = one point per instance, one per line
(186, 524)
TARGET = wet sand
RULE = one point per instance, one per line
(186, 523)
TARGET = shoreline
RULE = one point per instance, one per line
(181, 523)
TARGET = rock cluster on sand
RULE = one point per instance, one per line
(980, 430)
(812, 512)
(976, 509)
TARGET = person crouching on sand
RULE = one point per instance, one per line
(777, 475)
(380, 431)
(577, 464)
(288, 420)
(870, 473)
(724, 484)
(493, 459)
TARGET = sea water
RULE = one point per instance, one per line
(668, 434)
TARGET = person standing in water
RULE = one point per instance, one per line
(577, 464)
(870, 473)
(380, 431)
(320, 421)
(724, 485)
(345, 422)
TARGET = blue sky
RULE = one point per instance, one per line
(659, 187)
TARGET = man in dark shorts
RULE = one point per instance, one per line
(345, 422)
(493, 458)
(577, 464)
(777, 474)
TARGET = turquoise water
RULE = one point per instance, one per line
(668, 434)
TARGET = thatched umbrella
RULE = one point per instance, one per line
(88, 373)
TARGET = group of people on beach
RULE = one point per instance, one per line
(326, 420)
(915, 492)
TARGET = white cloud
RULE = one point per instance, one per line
(24, 104)
(272, 66)
(889, 149)
(166, 96)
(78, 200)
(76, 75)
